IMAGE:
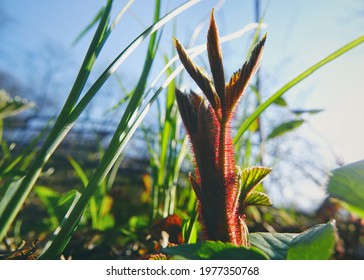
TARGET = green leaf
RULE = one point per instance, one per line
(59, 129)
(67, 204)
(55, 203)
(280, 102)
(214, 250)
(317, 243)
(66, 200)
(250, 178)
(347, 184)
(284, 128)
(79, 171)
(128, 124)
(258, 199)
(309, 111)
(275, 245)
(49, 199)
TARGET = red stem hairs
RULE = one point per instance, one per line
(222, 190)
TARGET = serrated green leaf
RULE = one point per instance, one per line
(347, 184)
(214, 250)
(317, 243)
(250, 178)
(284, 128)
(275, 245)
(257, 199)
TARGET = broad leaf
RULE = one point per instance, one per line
(214, 250)
(284, 128)
(347, 184)
(317, 243)
(275, 245)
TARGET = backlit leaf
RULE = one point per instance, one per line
(257, 199)
(313, 244)
(317, 243)
(250, 178)
(275, 245)
(347, 184)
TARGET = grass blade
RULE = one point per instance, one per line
(11, 207)
(262, 107)
(124, 131)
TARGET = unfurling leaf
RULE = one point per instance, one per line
(199, 75)
(257, 199)
(215, 58)
(238, 82)
(250, 178)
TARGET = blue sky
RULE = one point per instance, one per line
(299, 34)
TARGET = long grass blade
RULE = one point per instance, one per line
(262, 107)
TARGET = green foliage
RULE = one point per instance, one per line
(257, 199)
(317, 243)
(167, 152)
(249, 179)
(347, 184)
(275, 245)
(284, 128)
(128, 124)
(214, 250)
(100, 203)
(18, 174)
(55, 203)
